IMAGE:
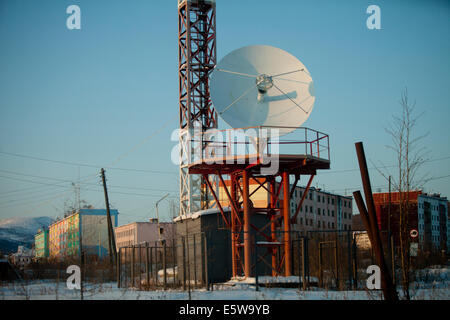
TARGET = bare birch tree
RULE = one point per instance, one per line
(410, 155)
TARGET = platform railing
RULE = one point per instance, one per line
(260, 141)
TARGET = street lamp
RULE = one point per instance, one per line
(157, 215)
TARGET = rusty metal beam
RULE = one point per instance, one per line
(387, 285)
(297, 211)
(230, 199)
(287, 226)
(211, 189)
(247, 215)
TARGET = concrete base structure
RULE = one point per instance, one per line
(204, 247)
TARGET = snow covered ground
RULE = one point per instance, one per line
(432, 283)
(47, 290)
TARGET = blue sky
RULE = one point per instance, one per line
(107, 95)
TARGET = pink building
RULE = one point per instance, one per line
(140, 232)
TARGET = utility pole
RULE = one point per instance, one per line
(389, 208)
(111, 242)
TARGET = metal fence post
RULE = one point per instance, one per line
(164, 264)
(299, 262)
(118, 267)
(320, 266)
(349, 260)
(140, 267)
(393, 260)
(355, 263)
(151, 265)
(82, 273)
(336, 264)
(256, 265)
(125, 266)
(206, 261)
(147, 268)
(304, 262)
(155, 270)
(132, 266)
(308, 279)
(175, 261)
(188, 267)
(184, 262)
(195, 261)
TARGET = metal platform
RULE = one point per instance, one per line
(301, 152)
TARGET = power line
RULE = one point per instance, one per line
(31, 181)
(40, 201)
(91, 166)
(129, 193)
(83, 183)
(47, 178)
(85, 164)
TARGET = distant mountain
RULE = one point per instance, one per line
(16, 232)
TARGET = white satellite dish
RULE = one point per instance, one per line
(262, 86)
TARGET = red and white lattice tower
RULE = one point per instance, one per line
(196, 59)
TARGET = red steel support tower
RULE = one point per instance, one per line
(312, 154)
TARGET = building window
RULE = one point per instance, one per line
(318, 211)
(318, 198)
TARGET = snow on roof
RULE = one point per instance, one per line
(197, 214)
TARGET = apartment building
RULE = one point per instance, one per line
(140, 232)
(428, 214)
(89, 225)
(321, 210)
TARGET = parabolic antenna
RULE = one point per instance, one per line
(262, 86)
